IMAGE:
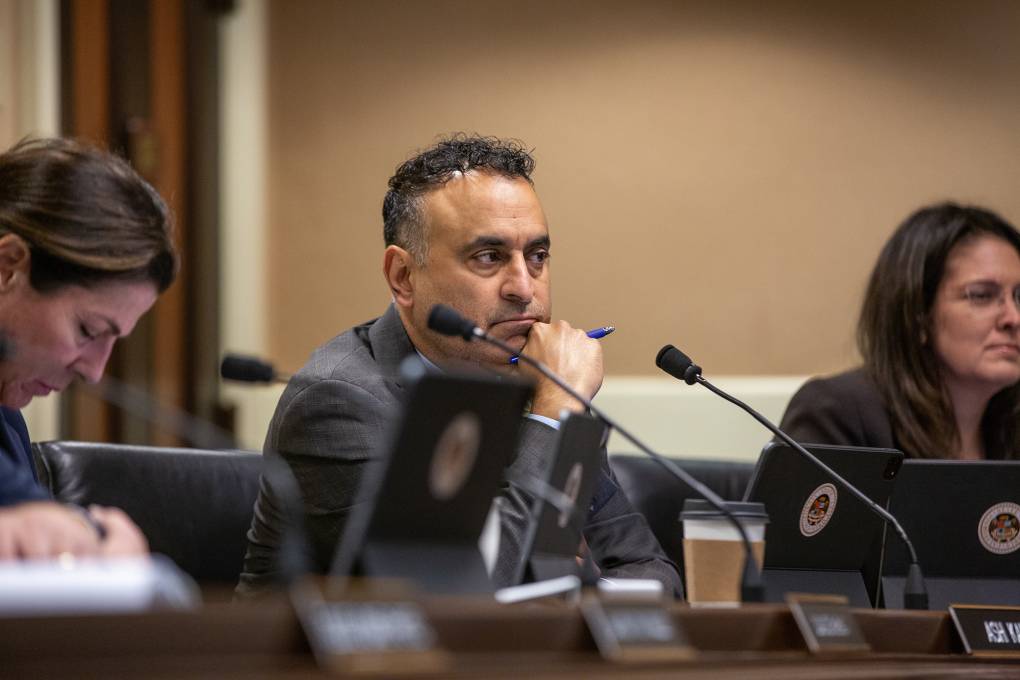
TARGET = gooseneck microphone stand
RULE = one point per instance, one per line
(447, 321)
(680, 366)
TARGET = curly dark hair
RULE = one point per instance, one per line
(896, 317)
(402, 219)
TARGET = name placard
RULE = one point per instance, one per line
(987, 630)
(369, 636)
(827, 624)
(635, 631)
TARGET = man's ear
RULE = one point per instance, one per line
(397, 267)
(15, 261)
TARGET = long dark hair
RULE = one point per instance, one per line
(895, 327)
(86, 216)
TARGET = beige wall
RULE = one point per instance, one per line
(719, 175)
(29, 106)
(9, 64)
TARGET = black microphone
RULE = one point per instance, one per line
(450, 322)
(244, 368)
(679, 365)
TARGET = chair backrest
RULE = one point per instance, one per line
(660, 497)
(194, 505)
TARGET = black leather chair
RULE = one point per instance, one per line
(194, 505)
(660, 497)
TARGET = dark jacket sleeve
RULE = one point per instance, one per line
(843, 410)
(327, 434)
(620, 540)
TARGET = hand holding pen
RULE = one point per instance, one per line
(594, 334)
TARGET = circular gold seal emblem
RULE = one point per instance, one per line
(999, 528)
(571, 489)
(455, 455)
(818, 510)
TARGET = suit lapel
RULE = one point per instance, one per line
(11, 441)
(390, 345)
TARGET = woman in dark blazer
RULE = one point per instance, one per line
(85, 249)
(939, 333)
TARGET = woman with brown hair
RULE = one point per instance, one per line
(85, 249)
(939, 333)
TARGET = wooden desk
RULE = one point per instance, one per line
(486, 640)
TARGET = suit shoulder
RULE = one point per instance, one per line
(838, 389)
(347, 360)
(12, 416)
(16, 420)
(346, 355)
(843, 409)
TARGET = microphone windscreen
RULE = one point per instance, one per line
(448, 321)
(676, 363)
(246, 369)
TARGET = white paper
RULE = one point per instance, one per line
(93, 586)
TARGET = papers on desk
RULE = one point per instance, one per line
(94, 586)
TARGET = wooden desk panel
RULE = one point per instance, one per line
(486, 640)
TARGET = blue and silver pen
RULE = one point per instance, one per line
(599, 333)
(594, 334)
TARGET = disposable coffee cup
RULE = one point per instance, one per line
(713, 551)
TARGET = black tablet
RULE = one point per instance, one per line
(819, 536)
(550, 546)
(423, 507)
(963, 518)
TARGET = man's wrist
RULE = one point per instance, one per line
(553, 408)
(545, 420)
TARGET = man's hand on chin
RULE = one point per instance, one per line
(570, 354)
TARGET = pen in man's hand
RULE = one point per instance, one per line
(599, 333)
(594, 334)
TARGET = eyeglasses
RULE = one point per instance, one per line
(987, 296)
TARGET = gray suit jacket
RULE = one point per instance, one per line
(328, 424)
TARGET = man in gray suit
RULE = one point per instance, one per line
(463, 227)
